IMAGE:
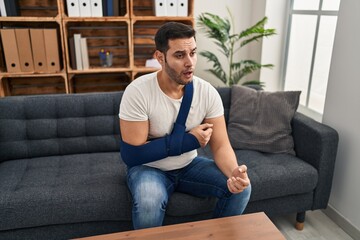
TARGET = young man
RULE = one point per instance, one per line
(148, 111)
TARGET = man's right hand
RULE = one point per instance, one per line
(202, 133)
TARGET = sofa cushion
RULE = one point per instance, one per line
(261, 120)
(277, 175)
(74, 189)
(40, 126)
(274, 175)
(62, 190)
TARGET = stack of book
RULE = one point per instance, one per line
(79, 56)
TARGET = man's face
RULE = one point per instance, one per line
(180, 60)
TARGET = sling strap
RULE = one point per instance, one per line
(185, 104)
(176, 143)
(178, 132)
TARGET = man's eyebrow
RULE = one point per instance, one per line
(179, 51)
(184, 51)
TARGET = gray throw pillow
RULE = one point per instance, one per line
(261, 120)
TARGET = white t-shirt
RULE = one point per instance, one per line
(144, 100)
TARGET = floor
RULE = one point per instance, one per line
(317, 226)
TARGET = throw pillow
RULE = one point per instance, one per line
(261, 120)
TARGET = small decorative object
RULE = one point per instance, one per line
(102, 57)
(109, 59)
(106, 58)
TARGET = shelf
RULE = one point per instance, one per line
(29, 19)
(129, 36)
(99, 70)
(104, 82)
(34, 8)
(30, 84)
(111, 36)
(95, 19)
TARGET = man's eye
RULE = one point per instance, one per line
(192, 53)
(178, 55)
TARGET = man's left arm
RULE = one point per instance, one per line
(224, 156)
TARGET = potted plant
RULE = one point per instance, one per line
(220, 30)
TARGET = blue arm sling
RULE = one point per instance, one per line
(178, 142)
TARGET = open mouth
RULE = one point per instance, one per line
(188, 74)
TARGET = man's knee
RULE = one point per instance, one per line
(150, 197)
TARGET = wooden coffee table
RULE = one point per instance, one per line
(249, 226)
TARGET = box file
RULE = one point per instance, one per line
(10, 50)
(24, 47)
(12, 7)
(38, 49)
(160, 7)
(116, 7)
(2, 8)
(182, 8)
(104, 7)
(52, 50)
(171, 7)
(85, 8)
(96, 8)
(73, 8)
(110, 9)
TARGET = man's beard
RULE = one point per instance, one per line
(174, 75)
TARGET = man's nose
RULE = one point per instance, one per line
(189, 61)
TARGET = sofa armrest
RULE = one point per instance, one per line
(317, 144)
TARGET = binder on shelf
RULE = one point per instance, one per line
(72, 53)
(10, 50)
(109, 6)
(84, 53)
(2, 8)
(24, 48)
(85, 8)
(171, 7)
(12, 7)
(160, 7)
(77, 44)
(104, 7)
(182, 8)
(73, 8)
(52, 50)
(116, 7)
(96, 8)
(38, 49)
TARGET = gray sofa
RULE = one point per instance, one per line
(61, 175)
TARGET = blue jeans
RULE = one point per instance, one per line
(151, 189)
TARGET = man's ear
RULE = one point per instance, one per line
(160, 57)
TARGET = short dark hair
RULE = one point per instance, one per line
(170, 31)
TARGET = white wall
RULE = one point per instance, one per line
(273, 48)
(342, 106)
(247, 13)
(342, 111)
(241, 11)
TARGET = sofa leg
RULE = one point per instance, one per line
(300, 219)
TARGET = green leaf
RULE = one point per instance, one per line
(219, 30)
(254, 82)
(217, 69)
